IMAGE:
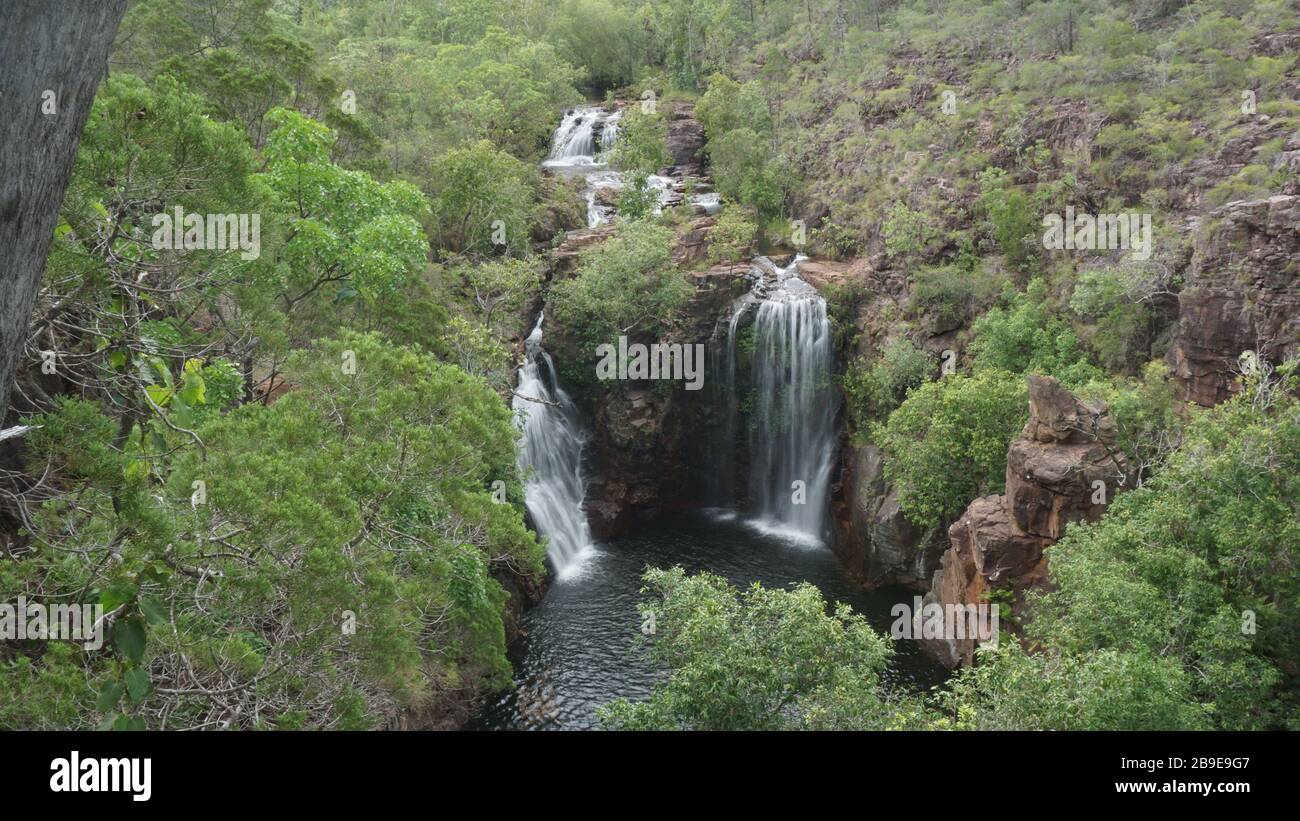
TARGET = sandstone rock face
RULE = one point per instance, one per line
(649, 448)
(819, 273)
(873, 538)
(1241, 293)
(629, 441)
(876, 543)
(607, 196)
(693, 245)
(1062, 468)
(564, 259)
(685, 138)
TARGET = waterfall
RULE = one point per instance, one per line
(583, 137)
(581, 147)
(722, 384)
(550, 457)
(793, 406)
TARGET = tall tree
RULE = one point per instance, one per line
(54, 56)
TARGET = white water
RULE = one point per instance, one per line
(550, 458)
(583, 138)
(792, 418)
(581, 146)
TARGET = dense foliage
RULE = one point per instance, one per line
(287, 470)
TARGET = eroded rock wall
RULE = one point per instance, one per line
(1241, 293)
(1063, 467)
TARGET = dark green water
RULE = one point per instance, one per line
(579, 650)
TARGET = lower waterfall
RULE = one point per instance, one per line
(791, 406)
(550, 457)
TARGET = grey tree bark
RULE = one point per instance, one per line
(52, 56)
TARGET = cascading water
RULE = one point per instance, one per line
(584, 136)
(793, 406)
(581, 146)
(551, 457)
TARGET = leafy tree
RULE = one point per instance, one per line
(947, 442)
(759, 659)
(603, 37)
(1011, 218)
(745, 172)
(642, 146)
(482, 194)
(872, 393)
(733, 235)
(638, 198)
(907, 232)
(1025, 337)
(1119, 334)
(623, 285)
(729, 105)
(366, 494)
(1175, 609)
(501, 286)
(344, 229)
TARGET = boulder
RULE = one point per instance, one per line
(822, 272)
(564, 259)
(606, 196)
(685, 137)
(876, 542)
(693, 244)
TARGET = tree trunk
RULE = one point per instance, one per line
(54, 57)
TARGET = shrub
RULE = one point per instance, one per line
(946, 444)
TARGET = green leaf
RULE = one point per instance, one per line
(159, 394)
(128, 635)
(109, 695)
(153, 610)
(138, 685)
(116, 595)
(193, 390)
(137, 469)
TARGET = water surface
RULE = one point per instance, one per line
(580, 650)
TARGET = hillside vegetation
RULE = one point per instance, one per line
(289, 476)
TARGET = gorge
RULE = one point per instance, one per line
(768, 423)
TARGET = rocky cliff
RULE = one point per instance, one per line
(1063, 467)
(1241, 293)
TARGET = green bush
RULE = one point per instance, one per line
(946, 444)
(872, 393)
(1025, 337)
(626, 285)
(760, 659)
(1177, 609)
(733, 235)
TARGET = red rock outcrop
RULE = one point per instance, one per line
(693, 245)
(685, 138)
(564, 259)
(1053, 469)
(1242, 293)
